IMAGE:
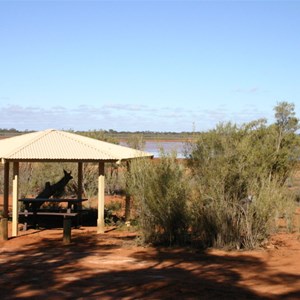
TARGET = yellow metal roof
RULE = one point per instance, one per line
(55, 145)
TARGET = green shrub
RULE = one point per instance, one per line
(160, 191)
(217, 222)
(231, 163)
(114, 206)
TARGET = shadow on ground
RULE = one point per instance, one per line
(98, 267)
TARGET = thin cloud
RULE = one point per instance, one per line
(252, 90)
(4, 98)
(129, 107)
(121, 117)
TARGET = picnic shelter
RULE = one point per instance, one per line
(57, 146)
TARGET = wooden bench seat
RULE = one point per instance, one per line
(48, 213)
(66, 224)
(72, 208)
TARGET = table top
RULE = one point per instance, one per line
(69, 200)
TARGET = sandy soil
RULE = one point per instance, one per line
(36, 265)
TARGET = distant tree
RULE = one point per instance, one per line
(101, 135)
(286, 122)
(286, 153)
(136, 141)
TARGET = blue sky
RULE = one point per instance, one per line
(146, 65)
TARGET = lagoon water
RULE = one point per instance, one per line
(168, 147)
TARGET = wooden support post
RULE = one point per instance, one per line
(79, 194)
(4, 229)
(127, 197)
(79, 182)
(15, 209)
(101, 191)
(6, 189)
(4, 220)
(67, 230)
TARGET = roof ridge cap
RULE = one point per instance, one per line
(73, 137)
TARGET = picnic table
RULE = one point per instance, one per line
(73, 203)
(73, 208)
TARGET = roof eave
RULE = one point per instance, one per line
(58, 160)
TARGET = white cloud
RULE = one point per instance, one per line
(129, 107)
(121, 117)
(251, 90)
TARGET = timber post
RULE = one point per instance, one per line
(101, 191)
(4, 220)
(127, 196)
(15, 206)
(67, 230)
(79, 182)
(79, 192)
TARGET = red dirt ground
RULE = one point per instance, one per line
(36, 265)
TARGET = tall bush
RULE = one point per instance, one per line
(238, 180)
(217, 222)
(160, 191)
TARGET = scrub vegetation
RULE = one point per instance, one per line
(231, 191)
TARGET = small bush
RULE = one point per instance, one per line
(114, 206)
